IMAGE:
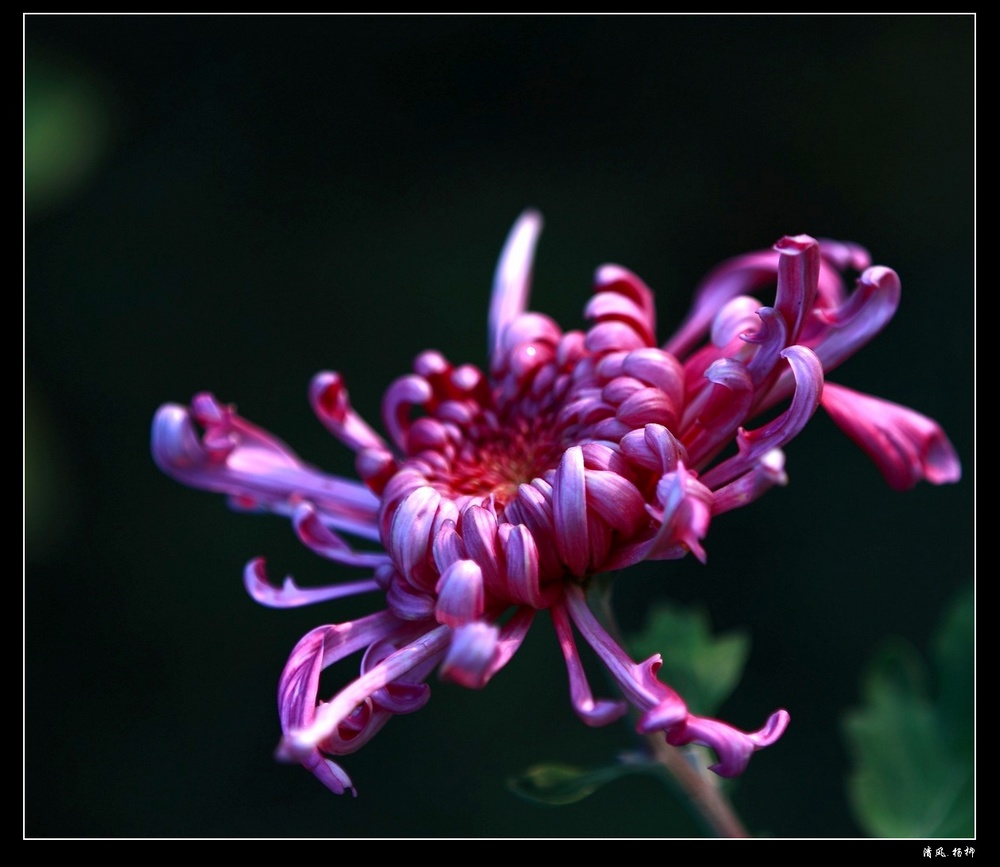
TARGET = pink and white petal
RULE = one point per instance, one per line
(512, 279)
(460, 594)
(256, 469)
(470, 654)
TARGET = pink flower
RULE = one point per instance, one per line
(499, 494)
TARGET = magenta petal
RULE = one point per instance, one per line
(905, 445)
(569, 501)
(798, 278)
(331, 403)
(593, 713)
(733, 747)
(839, 333)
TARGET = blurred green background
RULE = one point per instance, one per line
(233, 203)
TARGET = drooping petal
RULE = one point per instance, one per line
(315, 535)
(593, 713)
(300, 741)
(905, 445)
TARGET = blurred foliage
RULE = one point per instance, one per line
(66, 131)
(913, 741)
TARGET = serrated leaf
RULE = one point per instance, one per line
(703, 668)
(556, 785)
(913, 761)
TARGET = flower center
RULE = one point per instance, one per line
(500, 461)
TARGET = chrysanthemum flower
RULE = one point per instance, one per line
(499, 494)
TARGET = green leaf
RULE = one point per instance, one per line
(556, 785)
(913, 756)
(703, 668)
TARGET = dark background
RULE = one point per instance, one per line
(233, 203)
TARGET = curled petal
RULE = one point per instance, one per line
(808, 374)
(616, 500)
(410, 534)
(905, 445)
(745, 275)
(405, 393)
(299, 683)
(736, 317)
(768, 340)
(409, 603)
(798, 279)
(637, 681)
(290, 595)
(716, 413)
(611, 305)
(479, 533)
(621, 281)
(330, 402)
(733, 747)
(838, 333)
(684, 511)
(611, 336)
(520, 553)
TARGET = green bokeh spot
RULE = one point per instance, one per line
(66, 131)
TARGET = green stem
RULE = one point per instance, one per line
(698, 785)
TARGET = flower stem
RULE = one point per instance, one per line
(704, 795)
(699, 787)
